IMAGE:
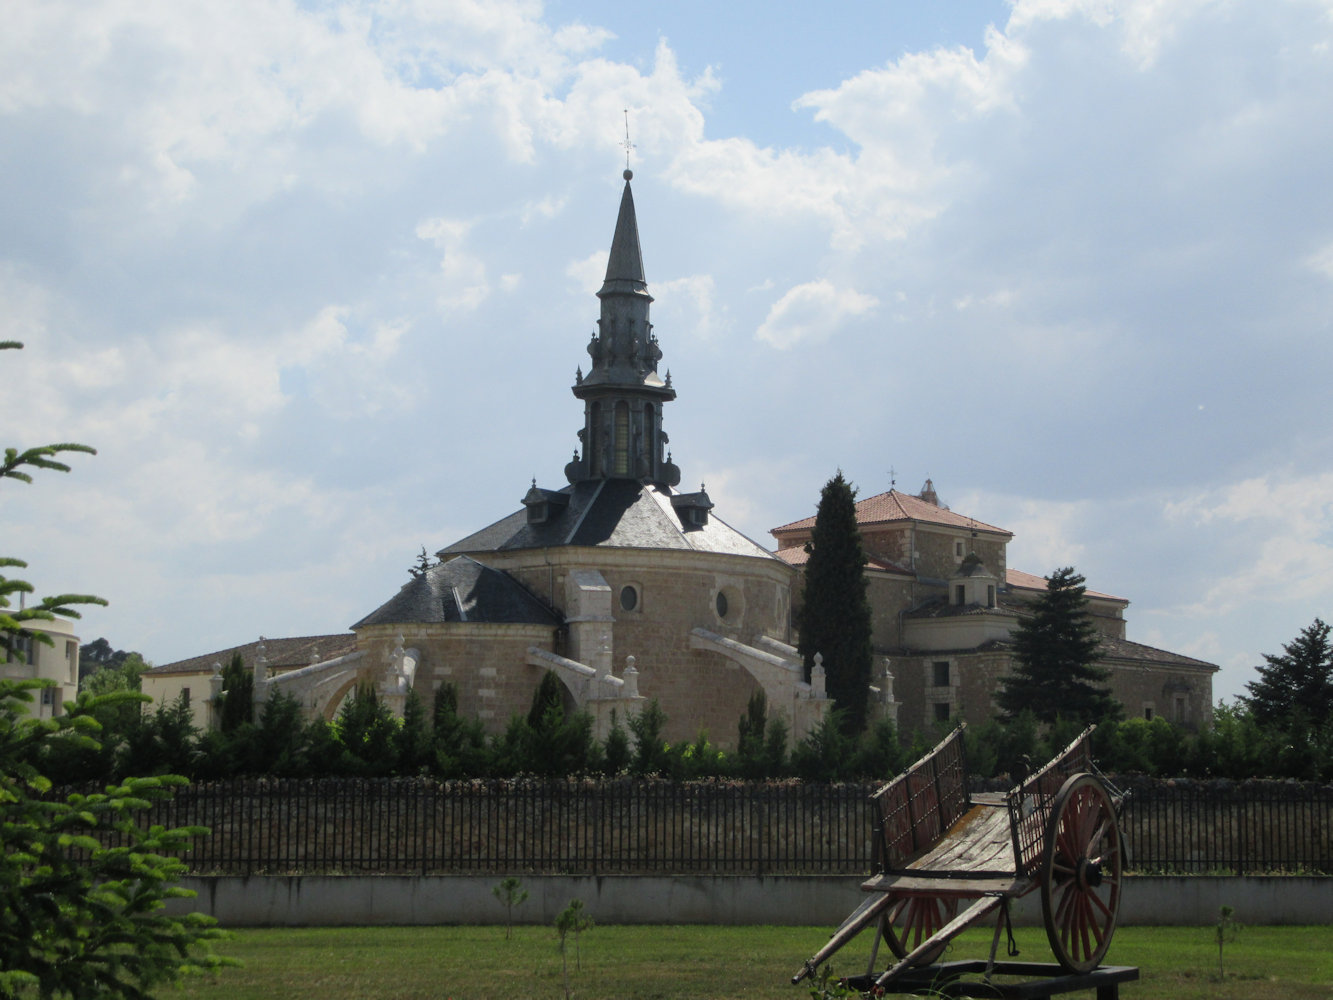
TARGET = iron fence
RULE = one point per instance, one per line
(634, 826)
(1228, 827)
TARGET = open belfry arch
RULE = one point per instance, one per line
(624, 587)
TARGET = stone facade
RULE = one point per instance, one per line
(943, 605)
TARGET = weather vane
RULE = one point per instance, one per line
(627, 144)
(893, 478)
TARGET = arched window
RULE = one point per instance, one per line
(620, 459)
(650, 438)
(592, 448)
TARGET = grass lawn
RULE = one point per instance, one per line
(719, 963)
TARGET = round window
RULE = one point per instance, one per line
(629, 598)
(721, 604)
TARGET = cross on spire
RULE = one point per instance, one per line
(627, 144)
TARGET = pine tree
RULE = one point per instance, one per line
(1299, 681)
(80, 918)
(1056, 647)
(835, 612)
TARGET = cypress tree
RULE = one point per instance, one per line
(1057, 649)
(835, 612)
(238, 694)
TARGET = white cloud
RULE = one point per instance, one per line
(1048, 534)
(811, 313)
(589, 272)
(687, 307)
(463, 281)
(1282, 531)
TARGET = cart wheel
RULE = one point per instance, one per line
(1080, 887)
(911, 920)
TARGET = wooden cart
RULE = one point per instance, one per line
(939, 851)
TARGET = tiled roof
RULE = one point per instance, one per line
(281, 654)
(1119, 650)
(462, 590)
(1123, 649)
(1014, 578)
(941, 608)
(615, 513)
(797, 556)
(886, 508)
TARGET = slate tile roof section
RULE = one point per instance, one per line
(1137, 652)
(281, 654)
(616, 513)
(462, 590)
(940, 607)
(1018, 580)
(885, 508)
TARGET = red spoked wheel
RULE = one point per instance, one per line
(910, 921)
(1080, 888)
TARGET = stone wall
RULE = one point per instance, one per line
(487, 663)
(699, 690)
(783, 900)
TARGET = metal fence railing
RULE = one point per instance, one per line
(1228, 827)
(636, 826)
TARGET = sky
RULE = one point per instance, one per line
(315, 278)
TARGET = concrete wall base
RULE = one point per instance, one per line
(798, 900)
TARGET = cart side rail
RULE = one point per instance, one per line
(1030, 803)
(916, 809)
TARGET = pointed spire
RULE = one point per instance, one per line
(624, 268)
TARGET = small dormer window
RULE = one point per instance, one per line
(692, 508)
(544, 505)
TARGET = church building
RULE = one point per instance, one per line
(943, 604)
(623, 586)
(628, 589)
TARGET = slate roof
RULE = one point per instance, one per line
(462, 590)
(885, 508)
(281, 654)
(1112, 648)
(940, 607)
(614, 513)
(624, 267)
(1123, 649)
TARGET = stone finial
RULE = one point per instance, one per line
(217, 669)
(261, 673)
(886, 684)
(817, 675)
(631, 678)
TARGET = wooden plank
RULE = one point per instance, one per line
(1006, 885)
(946, 933)
(866, 913)
(980, 841)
